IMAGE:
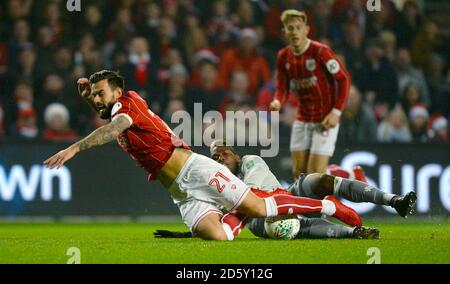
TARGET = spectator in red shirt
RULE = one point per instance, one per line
(438, 130)
(139, 57)
(26, 125)
(198, 59)
(245, 57)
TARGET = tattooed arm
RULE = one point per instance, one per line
(100, 136)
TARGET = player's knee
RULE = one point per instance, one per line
(256, 210)
(253, 206)
(320, 185)
(213, 235)
(325, 184)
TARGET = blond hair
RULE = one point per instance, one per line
(291, 13)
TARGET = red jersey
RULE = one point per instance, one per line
(318, 78)
(148, 140)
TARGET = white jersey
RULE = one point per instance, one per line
(255, 173)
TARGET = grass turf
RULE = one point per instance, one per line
(400, 242)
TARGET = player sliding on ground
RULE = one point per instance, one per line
(254, 172)
(199, 186)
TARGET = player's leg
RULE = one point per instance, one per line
(256, 226)
(323, 144)
(281, 204)
(233, 223)
(299, 162)
(317, 163)
(321, 185)
(211, 181)
(211, 228)
(237, 221)
(319, 228)
(215, 183)
(203, 219)
(208, 223)
(300, 143)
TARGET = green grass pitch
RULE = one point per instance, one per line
(403, 241)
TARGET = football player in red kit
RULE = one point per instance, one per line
(198, 185)
(312, 71)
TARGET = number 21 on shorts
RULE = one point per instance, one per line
(220, 186)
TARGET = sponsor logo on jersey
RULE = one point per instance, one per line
(287, 66)
(333, 66)
(249, 165)
(310, 64)
(305, 83)
(116, 108)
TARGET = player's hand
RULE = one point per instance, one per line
(171, 234)
(275, 105)
(330, 121)
(58, 160)
(84, 87)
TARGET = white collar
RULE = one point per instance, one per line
(308, 43)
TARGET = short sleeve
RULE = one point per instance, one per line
(123, 107)
(331, 62)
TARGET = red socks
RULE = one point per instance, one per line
(233, 223)
(291, 205)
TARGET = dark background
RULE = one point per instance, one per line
(106, 182)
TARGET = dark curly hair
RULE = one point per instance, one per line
(114, 78)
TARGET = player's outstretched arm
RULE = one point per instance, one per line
(100, 136)
(84, 90)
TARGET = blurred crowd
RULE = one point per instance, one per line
(220, 53)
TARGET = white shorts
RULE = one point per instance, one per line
(307, 136)
(204, 186)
